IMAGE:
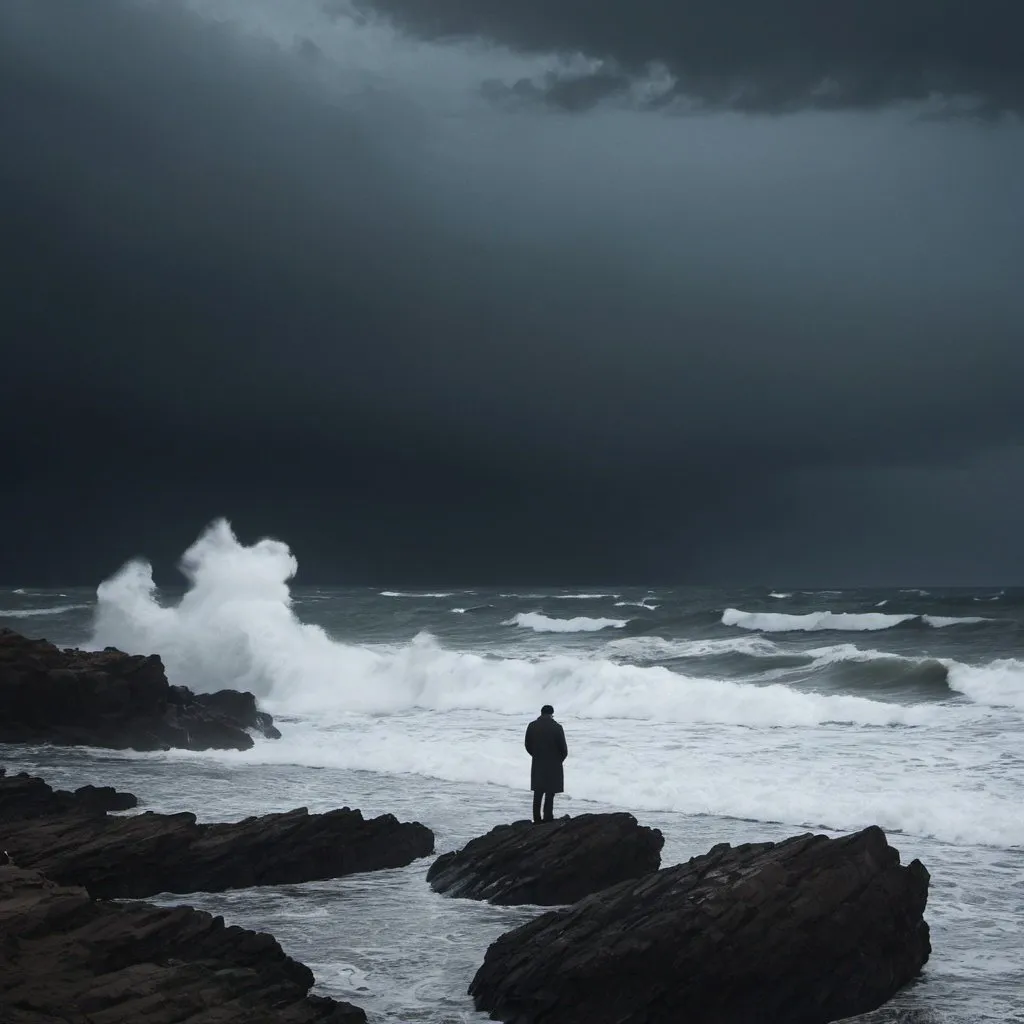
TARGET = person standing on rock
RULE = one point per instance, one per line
(545, 743)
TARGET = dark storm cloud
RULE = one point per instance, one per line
(764, 55)
(240, 279)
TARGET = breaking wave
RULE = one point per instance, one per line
(541, 623)
(235, 627)
(1000, 683)
(780, 622)
(403, 593)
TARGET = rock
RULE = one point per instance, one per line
(799, 932)
(143, 854)
(24, 796)
(554, 863)
(111, 699)
(65, 957)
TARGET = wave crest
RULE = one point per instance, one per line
(541, 623)
(781, 622)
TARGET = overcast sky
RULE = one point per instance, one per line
(553, 290)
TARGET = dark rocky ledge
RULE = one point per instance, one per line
(554, 863)
(74, 843)
(25, 796)
(68, 958)
(805, 931)
(112, 699)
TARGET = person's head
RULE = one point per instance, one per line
(547, 710)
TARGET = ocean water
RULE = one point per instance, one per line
(715, 715)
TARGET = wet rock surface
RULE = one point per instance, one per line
(549, 864)
(116, 700)
(804, 931)
(140, 855)
(25, 796)
(67, 958)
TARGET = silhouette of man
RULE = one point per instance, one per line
(545, 743)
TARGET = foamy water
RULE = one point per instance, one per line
(709, 715)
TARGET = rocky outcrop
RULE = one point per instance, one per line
(805, 931)
(25, 796)
(143, 854)
(549, 864)
(112, 699)
(65, 957)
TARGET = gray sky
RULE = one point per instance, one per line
(476, 291)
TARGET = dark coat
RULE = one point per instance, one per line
(545, 743)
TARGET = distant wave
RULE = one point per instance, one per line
(580, 597)
(471, 608)
(779, 595)
(541, 623)
(402, 593)
(649, 648)
(779, 622)
(29, 613)
(636, 604)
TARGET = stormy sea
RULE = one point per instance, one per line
(741, 714)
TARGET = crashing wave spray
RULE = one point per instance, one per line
(235, 627)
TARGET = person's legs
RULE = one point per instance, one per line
(549, 806)
(537, 794)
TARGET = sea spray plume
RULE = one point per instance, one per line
(223, 632)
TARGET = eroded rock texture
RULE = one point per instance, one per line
(549, 864)
(799, 932)
(112, 699)
(140, 855)
(68, 959)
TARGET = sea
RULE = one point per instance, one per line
(733, 714)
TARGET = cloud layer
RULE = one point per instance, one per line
(757, 56)
(276, 261)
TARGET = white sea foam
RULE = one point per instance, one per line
(541, 623)
(581, 597)
(405, 593)
(779, 622)
(235, 627)
(779, 595)
(637, 604)
(819, 782)
(30, 613)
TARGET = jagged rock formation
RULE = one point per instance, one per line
(111, 699)
(25, 796)
(67, 958)
(805, 931)
(549, 864)
(143, 854)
